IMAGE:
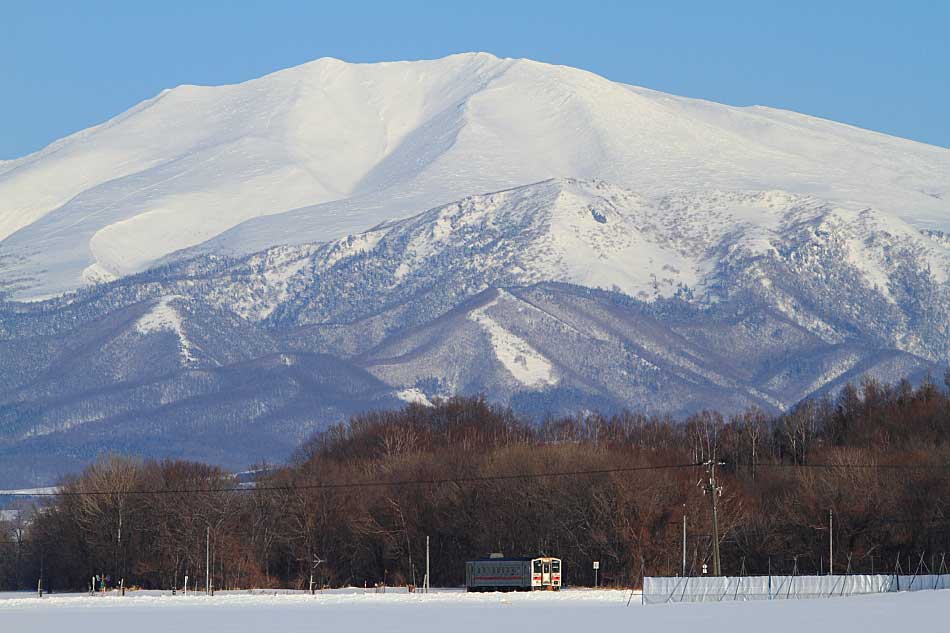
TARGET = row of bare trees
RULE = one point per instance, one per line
(356, 503)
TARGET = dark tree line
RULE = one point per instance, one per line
(877, 456)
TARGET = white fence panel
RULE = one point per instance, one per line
(921, 583)
(717, 589)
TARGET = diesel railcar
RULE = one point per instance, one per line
(499, 573)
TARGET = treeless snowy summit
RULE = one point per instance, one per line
(330, 148)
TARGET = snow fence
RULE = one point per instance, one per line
(657, 590)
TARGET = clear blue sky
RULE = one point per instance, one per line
(881, 65)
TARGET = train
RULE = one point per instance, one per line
(500, 573)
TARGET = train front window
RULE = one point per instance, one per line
(547, 568)
(537, 567)
(556, 566)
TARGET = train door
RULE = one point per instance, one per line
(536, 573)
(546, 574)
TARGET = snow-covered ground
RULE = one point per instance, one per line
(573, 610)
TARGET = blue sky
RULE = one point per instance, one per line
(882, 65)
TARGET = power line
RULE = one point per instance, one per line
(876, 524)
(857, 466)
(353, 484)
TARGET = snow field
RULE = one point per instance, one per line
(572, 610)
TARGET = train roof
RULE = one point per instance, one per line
(509, 559)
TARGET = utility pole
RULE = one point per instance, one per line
(684, 539)
(208, 560)
(714, 490)
(427, 566)
(119, 547)
(831, 542)
(18, 532)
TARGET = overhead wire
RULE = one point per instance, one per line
(350, 484)
(329, 485)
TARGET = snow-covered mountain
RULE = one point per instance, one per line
(328, 148)
(277, 255)
(838, 272)
(559, 296)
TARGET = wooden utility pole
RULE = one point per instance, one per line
(207, 560)
(684, 539)
(831, 542)
(714, 490)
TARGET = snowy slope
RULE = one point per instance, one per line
(798, 253)
(825, 287)
(781, 295)
(328, 148)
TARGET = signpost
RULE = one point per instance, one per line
(596, 567)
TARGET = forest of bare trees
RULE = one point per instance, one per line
(356, 503)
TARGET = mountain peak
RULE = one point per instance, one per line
(330, 148)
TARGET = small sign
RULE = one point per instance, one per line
(596, 564)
